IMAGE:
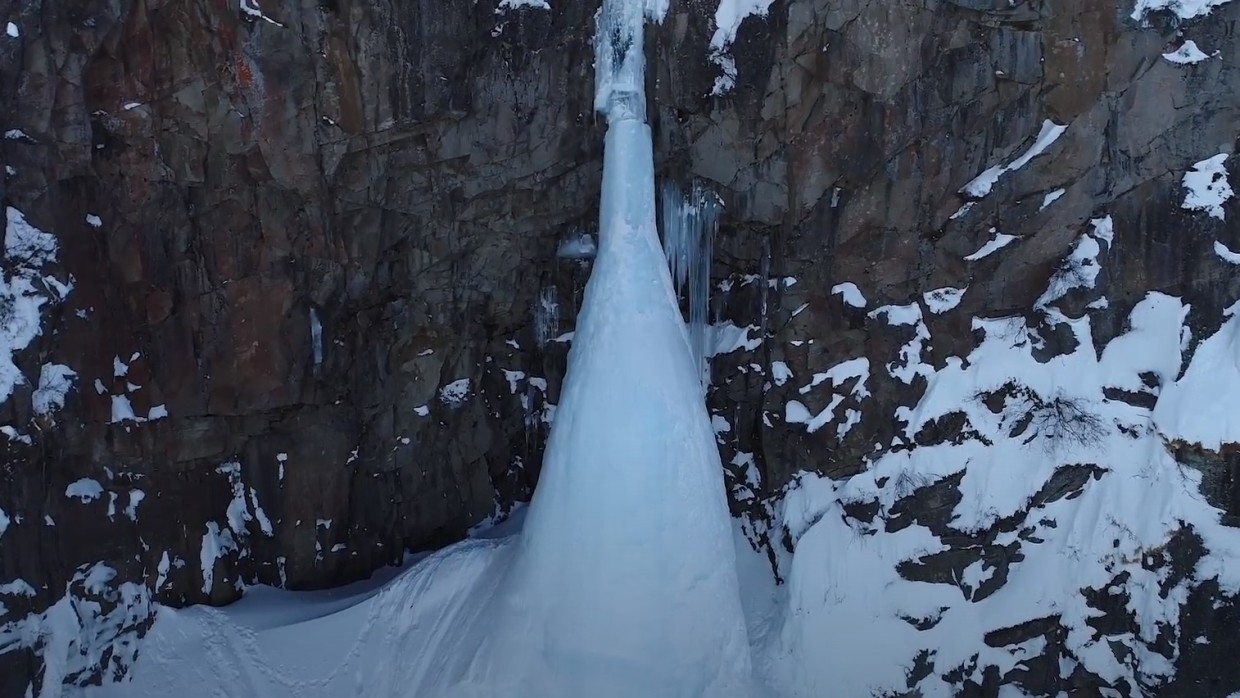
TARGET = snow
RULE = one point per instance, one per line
(1081, 267)
(941, 300)
(55, 381)
(1185, 9)
(14, 435)
(514, 379)
(84, 490)
(17, 587)
(455, 393)
(780, 373)
(12, 30)
(25, 243)
(157, 412)
(1224, 253)
(728, 17)
(16, 134)
(1207, 186)
(27, 249)
(996, 243)
(981, 185)
(4, 522)
(135, 498)
(1050, 198)
(850, 294)
(729, 337)
(94, 221)
(1203, 406)
(1152, 343)
(843, 572)
(216, 543)
(909, 364)
(251, 9)
(506, 5)
(122, 410)
(162, 571)
(1187, 53)
(856, 371)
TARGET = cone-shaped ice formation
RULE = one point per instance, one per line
(624, 582)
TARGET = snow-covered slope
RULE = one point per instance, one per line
(369, 639)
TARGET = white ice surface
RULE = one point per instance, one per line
(597, 601)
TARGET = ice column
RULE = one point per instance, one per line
(623, 583)
(620, 61)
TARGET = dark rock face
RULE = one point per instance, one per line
(328, 234)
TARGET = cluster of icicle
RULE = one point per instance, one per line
(690, 220)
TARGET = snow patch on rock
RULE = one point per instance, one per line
(996, 243)
(1188, 53)
(1184, 9)
(728, 17)
(85, 490)
(850, 294)
(981, 185)
(1206, 186)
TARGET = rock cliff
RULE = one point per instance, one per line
(308, 313)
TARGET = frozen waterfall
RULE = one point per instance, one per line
(623, 583)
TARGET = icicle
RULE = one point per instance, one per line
(546, 316)
(689, 225)
(316, 337)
